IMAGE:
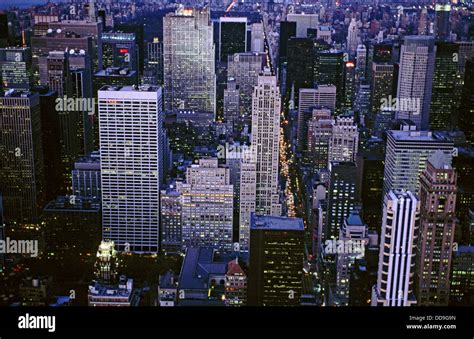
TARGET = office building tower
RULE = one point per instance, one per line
(400, 223)
(188, 54)
(466, 107)
(331, 72)
(442, 10)
(171, 226)
(247, 198)
(444, 99)
(462, 279)
(232, 36)
(232, 102)
(344, 141)
(299, 68)
(138, 30)
(207, 206)
(464, 165)
(86, 177)
(319, 135)
(15, 68)
(352, 36)
(436, 238)
(354, 236)
(82, 91)
(258, 38)
(72, 229)
(130, 121)
(383, 83)
(266, 109)
(350, 85)
(21, 150)
(323, 96)
(80, 28)
(423, 22)
(245, 69)
(362, 102)
(303, 22)
(57, 40)
(154, 63)
(287, 30)
(54, 72)
(406, 155)
(118, 49)
(415, 79)
(276, 261)
(361, 61)
(370, 165)
(343, 196)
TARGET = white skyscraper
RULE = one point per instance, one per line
(259, 169)
(406, 155)
(266, 109)
(401, 217)
(207, 206)
(189, 52)
(415, 79)
(344, 141)
(352, 36)
(130, 121)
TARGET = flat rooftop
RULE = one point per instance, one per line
(266, 222)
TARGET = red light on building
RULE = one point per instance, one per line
(123, 50)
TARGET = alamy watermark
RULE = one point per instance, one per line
(401, 104)
(342, 246)
(12, 246)
(68, 104)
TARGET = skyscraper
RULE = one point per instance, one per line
(344, 141)
(343, 195)
(299, 68)
(207, 206)
(15, 68)
(319, 134)
(276, 261)
(415, 79)
(118, 49)
(188, 52)
(266, 109)
(259, 167)
(21, 169)
(352, 36)
(232, 36)
(438, 221)
(406, 155)
(443, 101)
(130, 123)
(323, 96)
(170, 217)
(400, 223)
(245, 69)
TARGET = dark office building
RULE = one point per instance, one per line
(72, 227)
(53, 165)
(443, 100)
(462, 277)
(118, 49)
(331, 72)
(443, 10)
(276, 261)
(370, 163)
(232, 37)
(287, 30)
(466, 109)
(344, 195)
(138, 31)
(299, 69)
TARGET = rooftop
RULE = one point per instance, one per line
(276, 223)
